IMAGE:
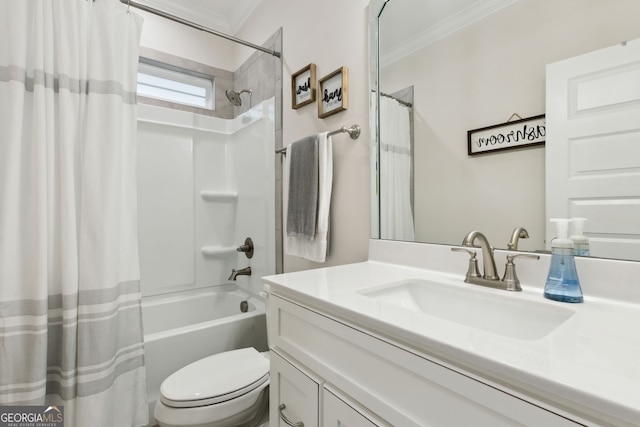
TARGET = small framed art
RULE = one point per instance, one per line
(303, 86)
(333, 93)
(507, 136)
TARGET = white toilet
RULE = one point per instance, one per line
(228, 389)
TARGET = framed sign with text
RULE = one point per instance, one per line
(506, 136)
(333, 93)
(303, 86)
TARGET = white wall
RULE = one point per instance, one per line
(166, 230)
(253, 153)
(181, 154)
(331, 34)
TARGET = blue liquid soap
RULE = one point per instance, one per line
(562, 282)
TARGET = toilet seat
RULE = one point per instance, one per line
(216, 379)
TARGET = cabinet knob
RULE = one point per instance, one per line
(287, 421)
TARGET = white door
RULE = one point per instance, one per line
(593, 147)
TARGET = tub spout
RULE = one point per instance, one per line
(242, 272)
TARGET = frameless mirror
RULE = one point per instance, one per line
(442, 68)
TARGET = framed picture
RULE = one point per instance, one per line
(303, 86)
(507, 136)
(333, 93)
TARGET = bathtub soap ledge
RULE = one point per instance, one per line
(217, 250)
(218, 196)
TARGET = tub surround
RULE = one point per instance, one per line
(193, 219)
(586, 369)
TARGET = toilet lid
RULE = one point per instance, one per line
(215, 379)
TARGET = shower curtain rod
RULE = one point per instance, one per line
(400, 101)
(198, 26)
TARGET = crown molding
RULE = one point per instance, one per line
(474, 13)
(224, 16)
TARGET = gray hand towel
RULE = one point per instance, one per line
(302, 208)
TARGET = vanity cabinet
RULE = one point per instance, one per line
(339, 412)
(297, 397)
(350, 375)
(293, 395)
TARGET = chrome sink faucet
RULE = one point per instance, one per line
(509, 281)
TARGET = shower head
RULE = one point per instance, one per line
(234, 97)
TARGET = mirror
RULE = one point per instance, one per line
(472, 64)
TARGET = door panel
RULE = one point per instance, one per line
(593, 147)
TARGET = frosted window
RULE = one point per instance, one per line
(156, 81)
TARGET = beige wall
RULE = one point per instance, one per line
(331, 34)
(185, 42)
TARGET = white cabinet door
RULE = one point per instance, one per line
(593, 147)
(338, 413)
(293, 396)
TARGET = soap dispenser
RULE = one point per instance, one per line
(580, 241)
(562, 281)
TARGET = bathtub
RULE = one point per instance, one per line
(183, 327)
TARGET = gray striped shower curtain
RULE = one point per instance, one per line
(70, 318)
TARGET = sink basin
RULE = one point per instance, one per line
(502, 314)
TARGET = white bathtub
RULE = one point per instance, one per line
(183, 327)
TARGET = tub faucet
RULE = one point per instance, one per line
(518, 233)
(242, 272)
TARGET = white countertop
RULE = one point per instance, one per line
(590, 363)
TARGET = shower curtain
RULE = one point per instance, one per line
(396, 162)
(70, 318)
